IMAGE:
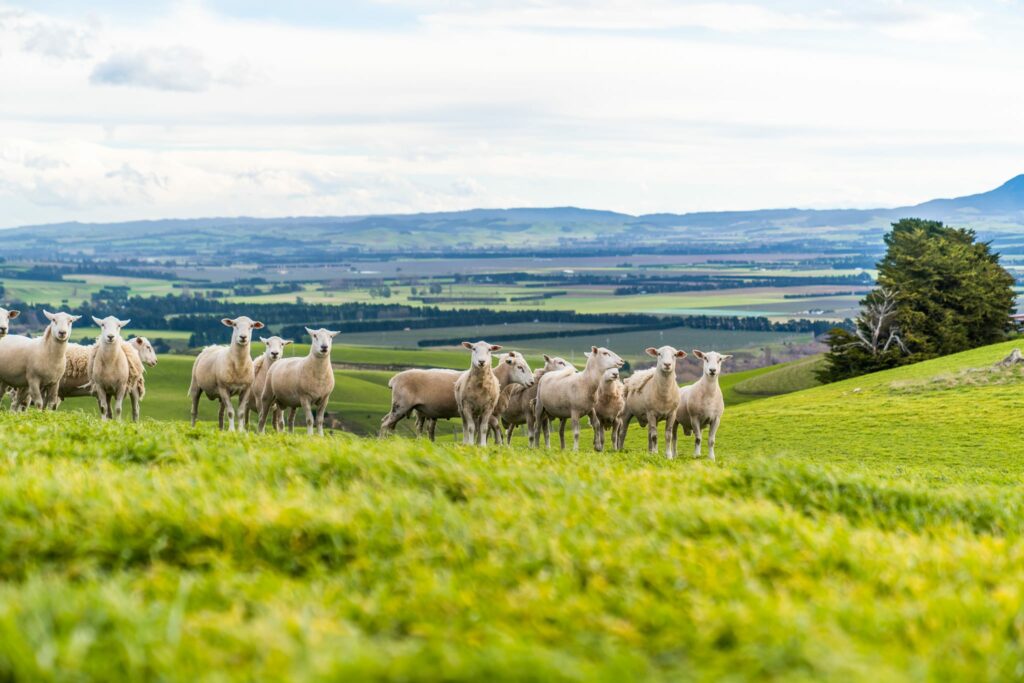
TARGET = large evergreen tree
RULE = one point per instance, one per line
(939, 291)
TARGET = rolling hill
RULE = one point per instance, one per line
(997, 213)
(866, 530)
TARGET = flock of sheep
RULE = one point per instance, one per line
(44, 370)
(492, 399)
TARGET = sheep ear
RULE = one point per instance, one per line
(495, 347)
(593, 349)
(587, 354)
(263, 339)
(227, 321)
(727, 356)
(333, 333)
(547, 358)
(49, 316)
(510, 360)
(97, 321)
(651, 351)
(698, 353)
(13, 314)
(140, 341)
(680, 354)
(75, 318)
(467, 345)
(311, 333)
(257, 325)
(286, 342)
(123, 323)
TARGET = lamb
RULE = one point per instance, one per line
(520, 397)
(6, 317)
(261, 368)
(431, 393)
(571, 394)
(306, 382)
(476, 393)
(652, 395)
(607, 413)
(221, 372)
(701, 403)
(109, 367)
(512, 371)
(36, 364)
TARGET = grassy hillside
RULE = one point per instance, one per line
(867, 530)
(782, 379)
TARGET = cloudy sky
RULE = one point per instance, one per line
(113, 110)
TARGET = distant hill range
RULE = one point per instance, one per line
(997, 215)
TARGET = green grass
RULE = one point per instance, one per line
(865, 530)
(783, 379)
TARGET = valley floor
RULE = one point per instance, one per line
(865, 530)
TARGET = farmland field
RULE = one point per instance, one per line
(866, 530)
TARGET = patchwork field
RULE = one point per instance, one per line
(866, 530)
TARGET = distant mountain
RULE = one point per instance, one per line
(998, 214)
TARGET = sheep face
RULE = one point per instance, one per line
(5, 320)
(242, 328)
(275, 346)
(666, 356)
(147, 354)
(321, 341)
(712, 361)
(481, 353)
(520, 369)
(60, 324)
(555, 363)
(611, 376)
(110, 329)
(604, 358)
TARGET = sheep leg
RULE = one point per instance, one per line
(695, 425)
(278, 419)
(575, 430)
(320, 416)
(119, 403)
(712, 429)
(194, 395)
(243, 410)
(496, 431)
(397, 414)
(220, 416)
(510, 431)
(420, 423)
(228, 409)
(620, 436)
(266, 409)
(307, 408)
(561, 433)
(104, 400)
(485, 427)
(468, 428)
(291, 421)
(652, 433)
(670, 436)
(134, 396)
(595, 423)
(35, 395)
(431, 428)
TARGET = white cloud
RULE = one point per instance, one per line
(171, 68)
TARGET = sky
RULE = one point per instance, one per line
(115, 110)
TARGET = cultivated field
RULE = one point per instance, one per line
(866, 530)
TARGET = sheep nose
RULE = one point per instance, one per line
(3, 331)
(273, 354)
(110, 337)
(323, 349)
(243, 340)
(712, 371)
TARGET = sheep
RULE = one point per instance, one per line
(476, 393)
(650, 396)
(519, 398)
(701, 403)
(221, 372)
(261, 367)
(431, 393)
(6, 317)
(109, 367)
(36, 364)
(512, 371)
(140, 355)
(571, 394)
(607, 413)
(306, 382)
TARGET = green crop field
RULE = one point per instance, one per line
(865, 530)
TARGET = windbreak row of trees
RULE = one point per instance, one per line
(940, 291)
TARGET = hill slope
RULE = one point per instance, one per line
(867, 530)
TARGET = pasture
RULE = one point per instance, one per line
(865, 530)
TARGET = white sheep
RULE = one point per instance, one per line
(6, 316)
(607, 413)
(109, 367)
(140, 354)
(512, 371)
(221, 372)
(431, 393)
(302, 382)
(652, 395)
(519, 405)
(36, 364)
(476, 393)
(274, 349)
(701, 403)
(571, 394)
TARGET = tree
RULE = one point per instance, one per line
(940, 291)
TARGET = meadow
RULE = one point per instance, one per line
(865, 530)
